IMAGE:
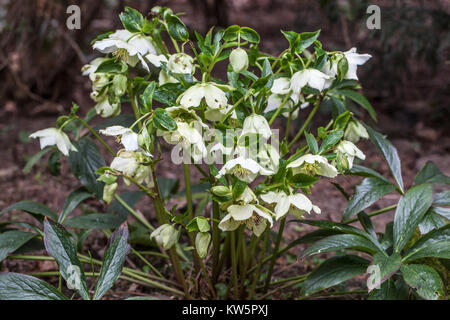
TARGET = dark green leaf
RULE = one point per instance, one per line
(432, 220)
(442, 198)
(334, 271)
(34, 159)
(10, 241)
(176, 28)
(369, 191)
(249, 34)
(312, 143)
(306, 39)
(15, 286)
(36, 209)
(390, 290)
(130, 197)
(61, 246)
(72, 201)
(359, 99)
(95, 221)
(147, 97)
(113, 260)
(132, 19)
(366, 172)
(85, 163)
(389, 152)
(339, 242)
(388, 265)
(430, 173)
(231, 33)
(425, 279)
(112, 66)
(330, 140)
(434, 244)
(168, 187)
(410, 211)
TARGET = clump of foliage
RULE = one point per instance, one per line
(252, 176)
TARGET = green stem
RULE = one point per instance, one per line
(275, 115)
(259, 266)
(308, 120)
(234, 265)
(84, 123)
(134, 213)
(275, 253)
(373, 213)
(134, 104)
(215, 239)
(248, 261)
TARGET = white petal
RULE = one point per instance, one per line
(228, 223)
(114, 131)
(301, 202)
(240, 213)
(281, 85)
(282, 207)
(192, 96)
(130, 141)
(214, 97)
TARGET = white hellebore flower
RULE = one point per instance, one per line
(311, 77)
(256, 124)
(128, 137)
(255, 218)
(354, 60)
(92, 66)
(165, 236)
(104, 107)
(355, 130)
(214, 97)
(128, 46)
(181, 63)
(347, 152)
(52, 137)
(313, 165)
(243, 169)
(129, 163)
(297, 204)
(239, 60)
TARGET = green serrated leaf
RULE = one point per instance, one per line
(424, 279)
(15, 286)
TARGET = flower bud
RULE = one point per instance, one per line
(165, 236)
(239, 60)
(355, 130)
(119, 84)
(108, 192)
(202, 241)
(221, 191)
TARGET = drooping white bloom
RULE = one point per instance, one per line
(156, 59)
(128, 137)
(244, 169)
(281, 86)
(296, 204)
(239, 60)
(347, 152)
(215, 115)
(313, 165)
(92, 66)
(274, 102)
(353, 60)
(165, 236)
(104, 107)
(256, 124)
(311, 77)
(130, 47)
(255, 217)
(354, 131)
(131, 165)
(54, 137)
(214, 97)
(181, 63)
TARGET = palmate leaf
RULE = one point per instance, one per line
(60, 246)
(334, 271)
(410, 211)
(113, 260)
(14, 286)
